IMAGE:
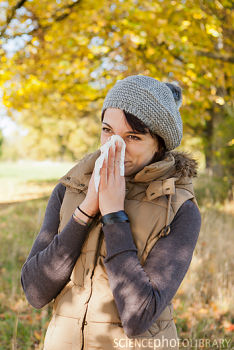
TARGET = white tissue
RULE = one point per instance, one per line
(104, 155)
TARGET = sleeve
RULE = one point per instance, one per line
(142, 293)
(53, 256)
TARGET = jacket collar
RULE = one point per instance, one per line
(155, 171)
(158, 178)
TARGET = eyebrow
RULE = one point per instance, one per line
(129, 132)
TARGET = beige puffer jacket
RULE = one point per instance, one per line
(85, 316)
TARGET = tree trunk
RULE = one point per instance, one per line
(208, 143)
(214, 143)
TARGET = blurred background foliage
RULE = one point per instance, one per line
(70, 53)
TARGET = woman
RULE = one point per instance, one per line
(122, 252)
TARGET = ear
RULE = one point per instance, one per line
(177, 92)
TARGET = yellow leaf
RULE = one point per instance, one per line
(199, 15)
(82, 40)
(160, 38)
(150, 51)
(213, 91)
(136, 39)
(99, 49)
(37, 335)
(219, 100)
(191, 74)
(191, 65)
(231, 143)
(48, 38)
(185, 79)
(212, 31)
(20, 92)
(185, 25)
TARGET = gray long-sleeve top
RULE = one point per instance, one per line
(147, 290)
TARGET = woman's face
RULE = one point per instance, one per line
(140, 148)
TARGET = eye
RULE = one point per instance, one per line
(134, 137)
(105, 129)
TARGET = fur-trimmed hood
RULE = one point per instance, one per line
(179, 165)
(185, 165)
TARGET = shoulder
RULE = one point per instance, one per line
(187, 221)
(189, 210)
(58, 193)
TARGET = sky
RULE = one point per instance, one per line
(7, 125)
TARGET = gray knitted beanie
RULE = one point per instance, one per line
(153, 102)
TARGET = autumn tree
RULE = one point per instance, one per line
(72, 52)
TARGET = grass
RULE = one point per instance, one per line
(203, 302)
(202, 305)
(21, 326)
(24, 180)
(33, 170)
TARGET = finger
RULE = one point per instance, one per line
(117, 158)
(103, 175)
(111, 162)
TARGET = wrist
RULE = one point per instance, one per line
(113, 217)
(79, 221)
(80, 217)
(112, 210)
(87, 209)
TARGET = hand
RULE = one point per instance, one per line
(112, 184)
(90, 204)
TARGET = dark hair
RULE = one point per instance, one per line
(137, 125)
